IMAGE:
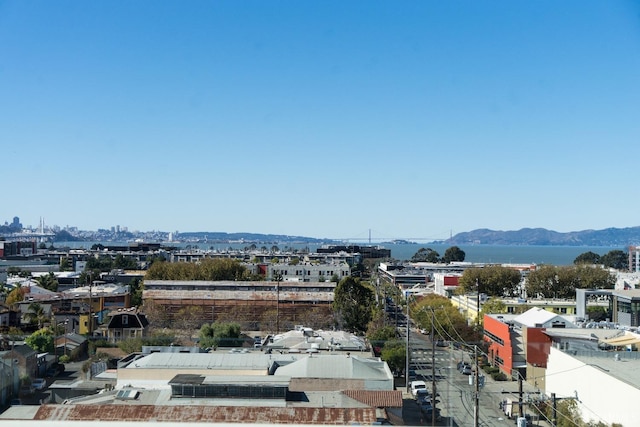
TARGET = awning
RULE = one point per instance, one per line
(623, 340)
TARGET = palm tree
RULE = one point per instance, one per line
(48, 281)
(36, 314)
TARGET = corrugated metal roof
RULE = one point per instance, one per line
(249, 295)
(335, 367)
(217, 360)
(377, 398)
(218, 414)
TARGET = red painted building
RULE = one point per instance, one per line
(518, 341)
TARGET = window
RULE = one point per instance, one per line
(125, 319)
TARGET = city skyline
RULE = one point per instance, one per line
(411, 119)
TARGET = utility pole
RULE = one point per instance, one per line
(406, 374)
(433, 368)
(520, 409)
(278, 277)
(476, 406)
(554, 414)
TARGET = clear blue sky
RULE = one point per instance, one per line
(321, 118)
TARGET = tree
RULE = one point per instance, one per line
(453, 254)
(219, 334)
(562, 282)
(394, 353)
(124, 263)
(616, 259)
(36, 314)
(426, 255)
(493, 280)
(188, 319)
(447, 323)
(41, 340)
(494, 306)
(587, 258)
(593, 277)
(379, 335)
(136, 287)
(65, 264)
(16, 295)
(48, 281)
(207, 269)
(352, 304)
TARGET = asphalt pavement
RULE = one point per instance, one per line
(456, 393)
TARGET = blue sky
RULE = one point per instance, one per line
(412, 119)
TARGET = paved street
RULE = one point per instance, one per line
(456, 394)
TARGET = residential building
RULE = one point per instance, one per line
(126, 323)
(24, 357)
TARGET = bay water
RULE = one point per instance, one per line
(502, 254)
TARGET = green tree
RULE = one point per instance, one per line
(353, 303)
(597, 314)
(394, 353)
(616, 259)
(16, 295)
(447, 323)
(41, 340)
(207, 269)
(494, 306)
(453, 254)
(48, 281)
(562, 282)
(587, 258)
(426, 255)
(35, 314)
(136, 287)
(124, 263)
(493, 280)
(593, 277)
(65, 264)
(220, 334)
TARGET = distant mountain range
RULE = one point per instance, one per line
(540, 236)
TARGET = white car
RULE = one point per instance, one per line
(39, 383)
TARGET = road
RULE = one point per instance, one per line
(456, 393)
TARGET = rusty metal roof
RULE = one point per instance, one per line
(215, 414)
(377, 398)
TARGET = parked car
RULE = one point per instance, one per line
(427, 411)
(417, 385)
(467, 370)
(54, 370)
(39, 383)
(27, 390)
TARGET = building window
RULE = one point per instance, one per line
(125, 319)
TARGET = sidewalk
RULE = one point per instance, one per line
(496, 392)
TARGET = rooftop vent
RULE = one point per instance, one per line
(127, 394)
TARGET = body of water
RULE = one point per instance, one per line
(553, 255)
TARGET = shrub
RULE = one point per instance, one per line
(499, 376)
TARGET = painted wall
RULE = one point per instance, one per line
(501, 354)
(598, 392)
